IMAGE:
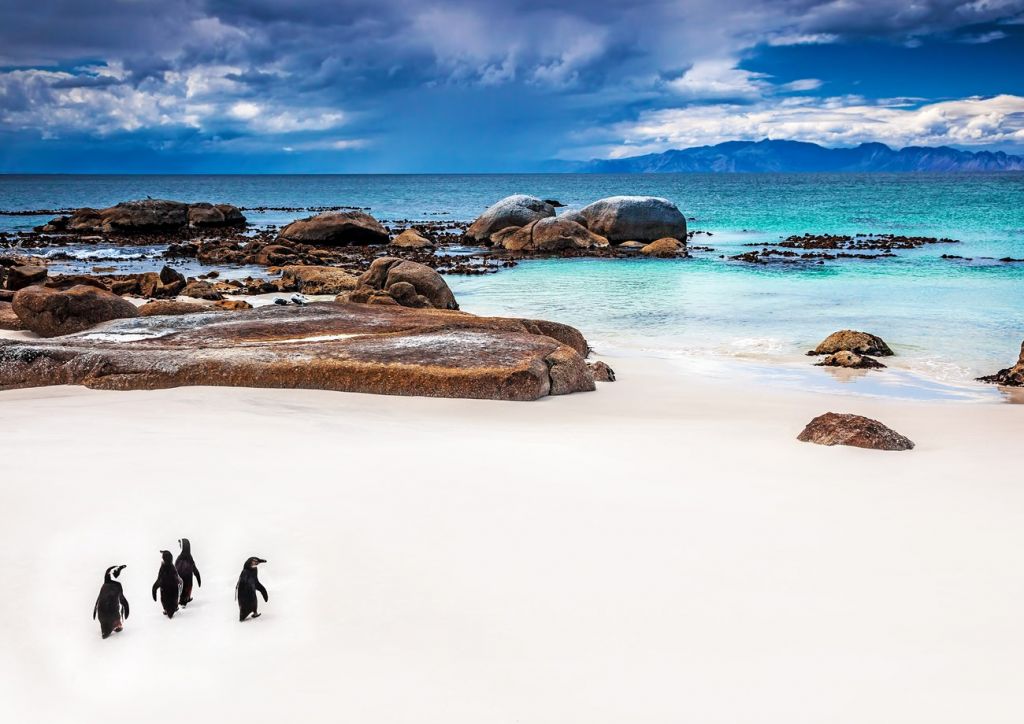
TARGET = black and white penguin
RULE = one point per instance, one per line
(168, 582)
(187, 569)
(111, 605)
(245, 589)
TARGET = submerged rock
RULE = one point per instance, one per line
(843, 429)
(516, 210)
(851, 360)
(336, 228)
(1011, 376)
(391, 280)
(327, 346)
(636, 218)
(848, 340)
(55, 312)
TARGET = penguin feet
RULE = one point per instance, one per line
(257, 615)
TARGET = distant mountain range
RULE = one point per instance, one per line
(797, 156)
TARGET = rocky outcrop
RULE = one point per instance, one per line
(1011, 376)
(19, 277)
(516, 211)
(146, 215)
(549, 234)
(326, 346)
(8, 319)
(842, 429)
(199, 289)
(336, 228)
(664, 247)
(171, 307)
(848, 340)
(636, 218)
(318, 279)
(851, 360)
(391, 280)
(601, 371)
(412, 239)
(54, 312)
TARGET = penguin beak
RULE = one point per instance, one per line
(260, 560)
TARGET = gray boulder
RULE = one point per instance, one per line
(516, 210)
(552, 234)
(336, 228)
(632, 218)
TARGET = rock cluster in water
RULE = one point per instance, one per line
(1011, 376)
(146, 215)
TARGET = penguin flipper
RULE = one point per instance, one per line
(261, 589)
(95, 608)
(156, 585)
(195, 571)
(124, 606)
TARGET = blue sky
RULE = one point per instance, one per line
(483, 85)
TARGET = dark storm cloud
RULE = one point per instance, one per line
(339, 76)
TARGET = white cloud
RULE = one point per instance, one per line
(802, 39)
(708, 79)
(982, 38)
(831, 122)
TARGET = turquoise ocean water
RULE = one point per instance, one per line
(949, 320)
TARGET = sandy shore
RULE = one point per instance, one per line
(661, 550)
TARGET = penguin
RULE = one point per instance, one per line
(111, 605)
(245, 589)
(168, 582)
(187, 569)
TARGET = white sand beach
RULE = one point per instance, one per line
(661, 550)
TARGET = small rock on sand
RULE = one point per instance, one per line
(834, 428)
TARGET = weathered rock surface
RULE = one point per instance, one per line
(412, 239)
(636, 218)
(19, 277)
(391, 280)
(516, 210)
(147, 215)
(199, 289)
(329, 346)
(1011, 376)
(550, 234)
(842, 429)
(8, 319)
(336, 228)
(851, 360)
(318, 279)
(848, 340)
(54, 312)
(168, 307)
(664, 247)
(601, 371)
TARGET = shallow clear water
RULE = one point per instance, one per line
(948, 320)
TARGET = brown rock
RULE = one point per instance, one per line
(274, 255)
(146, 215)
(206, 214)
(553, 234)
(233, 305)
(664, 247)
(637, 245)
(841, 429)
(19, 277)
(51, 312)
(346, 347)
(201, 290)
(601, 372)
(428, 288)
(336, 228)
(851, 360)
(412, 239)
(8, 319)
(1011, 376)
(318, 279)
(848, 340)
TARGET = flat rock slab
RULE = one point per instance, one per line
(328, 346)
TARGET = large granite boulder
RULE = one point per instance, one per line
(318, 279)
(54, 312)
(324, 346)
(842, 429)
(632, 218)
(848, 340)
(335, 228)
(1011, 376)
(550, 234)
(147, 215)
(391, 280)
(516, 210)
